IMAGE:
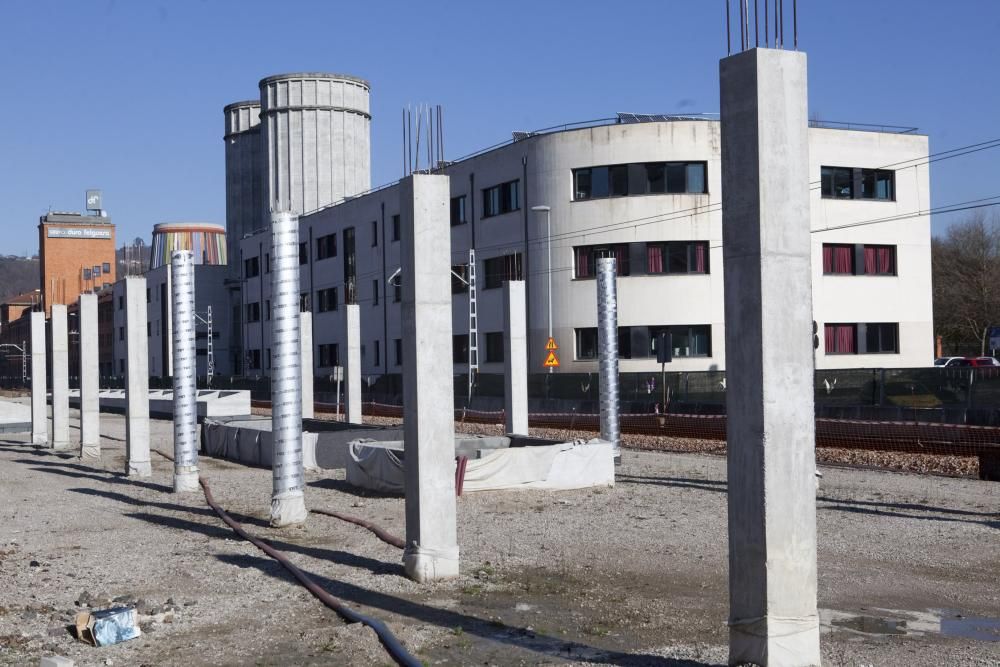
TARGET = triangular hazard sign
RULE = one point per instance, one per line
(551, 361)
(551, 345)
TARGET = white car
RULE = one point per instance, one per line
(950, 361)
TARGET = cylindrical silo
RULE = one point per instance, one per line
(316, 136)
(244, 175)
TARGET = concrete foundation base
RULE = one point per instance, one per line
(288, 510)
(787, 642)
(139, 469)
(90, 452)
(421, 564)
(186, 481)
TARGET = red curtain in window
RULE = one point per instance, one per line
(842, 256)
(699, 258)
(870, 263)
(839, 338)
(654, 258)
(582, 263)
(621, 259)
(884, 257)
(827, 259)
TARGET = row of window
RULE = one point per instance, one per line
(494, 348)
(857, 183)
(656, 258)
(639, 178)
(859, 259)
(639, 342)
(861, 338)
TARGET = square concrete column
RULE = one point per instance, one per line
(515, 358)
(308, 371)
(136, 379)
(428, 391)
(352, 386)
(769, 366)
(60, 378)
(90, 409)
(39, 382)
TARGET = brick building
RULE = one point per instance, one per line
(76, 254)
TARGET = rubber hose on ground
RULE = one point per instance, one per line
(379, 532)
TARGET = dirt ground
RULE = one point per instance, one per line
(909, 567)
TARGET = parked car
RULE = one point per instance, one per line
(986, 361)
(951, 361)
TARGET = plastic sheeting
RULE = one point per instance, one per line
(570, 465)
(250, 442)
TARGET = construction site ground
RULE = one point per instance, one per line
(636, 574)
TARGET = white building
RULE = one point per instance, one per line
(646, 190)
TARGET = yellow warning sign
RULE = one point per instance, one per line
(551, 345)
(551, 361)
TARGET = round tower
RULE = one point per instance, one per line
(205, 240)
(244, 174)
(316, 137)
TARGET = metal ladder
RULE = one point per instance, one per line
(210, 345)
(473, 324)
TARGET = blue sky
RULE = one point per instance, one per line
(128, 96)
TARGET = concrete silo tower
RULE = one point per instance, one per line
(244, 176)
(316, 135)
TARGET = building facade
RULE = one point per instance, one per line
(648, 194)
(76, 254)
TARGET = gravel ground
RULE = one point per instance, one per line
(630, 575)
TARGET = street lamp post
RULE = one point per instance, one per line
(548, 233)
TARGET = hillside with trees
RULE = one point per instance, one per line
(17, 275)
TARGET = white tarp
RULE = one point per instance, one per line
(570, 465)
(250, 442)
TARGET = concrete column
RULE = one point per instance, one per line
(90, 408)
(428, 392)
(515, 358)
(607, 350)
(287, 476)
(136, 379)
(768, 313)
(308, 369)
(185, 371)
(352, 387)
(60, 378)
(39, 382)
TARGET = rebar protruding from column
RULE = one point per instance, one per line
(185, 372)
(607, 345)
(287, 499)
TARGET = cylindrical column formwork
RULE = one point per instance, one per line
(185, 372)
(287, 500)
(607, 345)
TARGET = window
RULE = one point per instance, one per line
(460, 348)
(375, 292)
(859, 259)
(149, 296)
(251, 267)
(639, 178)
(267, 262)
(106, 267)
(329, 355)
(499, 269)
(865, 338)
(395, 228)
(458, 211)
(459, 279)
(350, 260)
(326, 299)
(121, 303)
(374, 233)
(303, 253)
(326, 247)
(398, 343)
(253, 360)
(494, 347)
(639, 342)
(95, 271)
(856, 183)
(149, 329)
(677, 257)
(253, 312)
(397, 289)
(378, 353)
(304, 305)
(501, 199)
(587, 256)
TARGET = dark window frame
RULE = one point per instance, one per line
(501, 198)
(857, 183)
(638, 179)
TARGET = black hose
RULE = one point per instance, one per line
(389, 641)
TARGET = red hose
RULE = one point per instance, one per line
(380, 533)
